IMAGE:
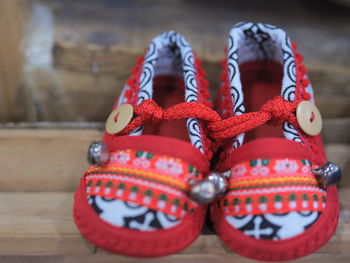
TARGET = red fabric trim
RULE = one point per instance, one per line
(161, 145)
(202, 83)
(151, 180)
(274, 186)
(300, 93)
(203, 97)
(311, 240)
(224, 104)
(270, 148)
(134, 83)
(133, 242)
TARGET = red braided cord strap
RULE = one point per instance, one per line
(273, 112)
(149, 111)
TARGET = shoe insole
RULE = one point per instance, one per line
(168, 91)
(261, 81)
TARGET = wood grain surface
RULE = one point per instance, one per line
(55, 159)
(95, 46)
(41, 223)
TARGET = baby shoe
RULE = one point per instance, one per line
(135, 199)
(281, 202)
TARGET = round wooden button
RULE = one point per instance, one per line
(119, 118)
(309, 118)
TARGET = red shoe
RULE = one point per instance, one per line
(278, 206)
(135, 199)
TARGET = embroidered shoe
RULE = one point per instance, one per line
(135, 198)
(281, 204)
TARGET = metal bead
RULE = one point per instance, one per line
(203, 192)
(328, 174)
(207, 190)
(98, 153)
(220, 183)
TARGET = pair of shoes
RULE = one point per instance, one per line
(258, 159)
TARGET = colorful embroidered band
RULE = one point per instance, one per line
(272, 186)
(155, 181)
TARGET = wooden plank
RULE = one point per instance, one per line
(11, 20)
(93, 54)
(332, 106)
(340, 154)
(90, 96)
(55, 159)
(44, 159)
(109, 23)
(117, 59)
(335, 130)
(203, 258)
(76, 66)
(53, 125)
(42, 224)
(39, 224)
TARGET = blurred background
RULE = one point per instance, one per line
(66, 61)
(62, 66)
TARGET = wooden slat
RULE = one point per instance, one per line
(39, 224)
(94, 53)
(340, 154)
(203, 258)
(54, 160)
(11, 20)
(110, 24)
(89, 97)
(333, 106)
(42, 224)
(335, 130)
(44, 160)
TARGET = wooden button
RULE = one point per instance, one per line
(309, 118)
(119, 118)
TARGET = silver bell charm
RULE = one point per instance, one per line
(207, 190)
(220, 183)
(98, 153)
(328, 174)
